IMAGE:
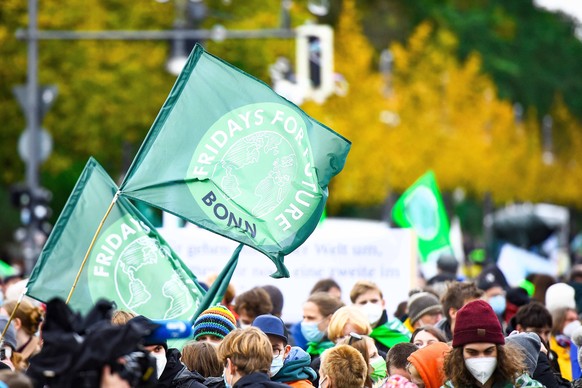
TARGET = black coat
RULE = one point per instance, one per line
(257, 380)
(176, 375)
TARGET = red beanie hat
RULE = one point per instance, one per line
(476, 322)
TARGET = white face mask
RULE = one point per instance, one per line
(481, 368)
(570, 328)
(244, 325)
(160, 362)
(373, 312)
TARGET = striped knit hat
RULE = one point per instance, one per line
(217, 321)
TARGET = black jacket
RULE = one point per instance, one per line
(545, 375)
(176, 375)
(257, 380)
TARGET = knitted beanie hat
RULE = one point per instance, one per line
(422, 303)
(476, 322)
(217, 321)
(560, 295)
(529, 344)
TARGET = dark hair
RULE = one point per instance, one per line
(533, 314)
(202, 357)
(541, 283)
(510, 364)
(324, 285)
(276, 299)
(457, 294)
(255, 302)
(430, 329)
(397, 356)
(15, 379)
(326, 303)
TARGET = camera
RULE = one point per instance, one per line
(137, 368)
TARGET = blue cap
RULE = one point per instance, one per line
(271, 325)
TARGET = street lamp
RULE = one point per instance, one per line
(186, 11)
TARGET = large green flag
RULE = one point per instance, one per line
(230, 155)
(129, 263)
(421, 208)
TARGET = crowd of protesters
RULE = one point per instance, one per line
(449, 333)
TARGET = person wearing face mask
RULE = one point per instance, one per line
(342, 367)
(290, 365)
(424, 309)
(377, 368)
(479, 357)
(386, 331)
(170, 371)
(247, 356)
(561, 303)
(317, 312)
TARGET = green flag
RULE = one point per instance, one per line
(129, 262)
(232, 156)
(421, 208)
(216, 292)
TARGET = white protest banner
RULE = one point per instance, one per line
(346, 250)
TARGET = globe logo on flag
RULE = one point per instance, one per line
(133, 270)
(422, 213)
(253, 171)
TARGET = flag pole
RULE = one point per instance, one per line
(11, 317)
(91, 247)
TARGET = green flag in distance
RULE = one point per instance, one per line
(129, 263)
(421, 208)
(230, 155)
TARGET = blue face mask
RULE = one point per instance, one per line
(226, 384)
(311, 332)
(276, 364)
(497, 303)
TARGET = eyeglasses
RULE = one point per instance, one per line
(277, 352)
(354, 337)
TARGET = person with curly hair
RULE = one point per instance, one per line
(479, 357)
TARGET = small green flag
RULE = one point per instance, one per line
(421, 208)
(129, 263)
(216, 292)
(230, 155)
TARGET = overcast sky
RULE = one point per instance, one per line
(573, 7)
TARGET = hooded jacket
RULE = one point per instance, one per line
(175, 374)
(429, 361)
(296, 370)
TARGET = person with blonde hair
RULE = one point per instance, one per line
(342, 367)
(121, 317)
(246, 355)
(346, 320)
(27, 320)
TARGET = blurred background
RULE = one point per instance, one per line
(485, 93)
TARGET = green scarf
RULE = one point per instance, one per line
(316, 348)
(390, 334)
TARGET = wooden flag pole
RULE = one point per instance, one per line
(91, 247)
(11, 317)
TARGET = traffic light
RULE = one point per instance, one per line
(34, 205)
(314, 56)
